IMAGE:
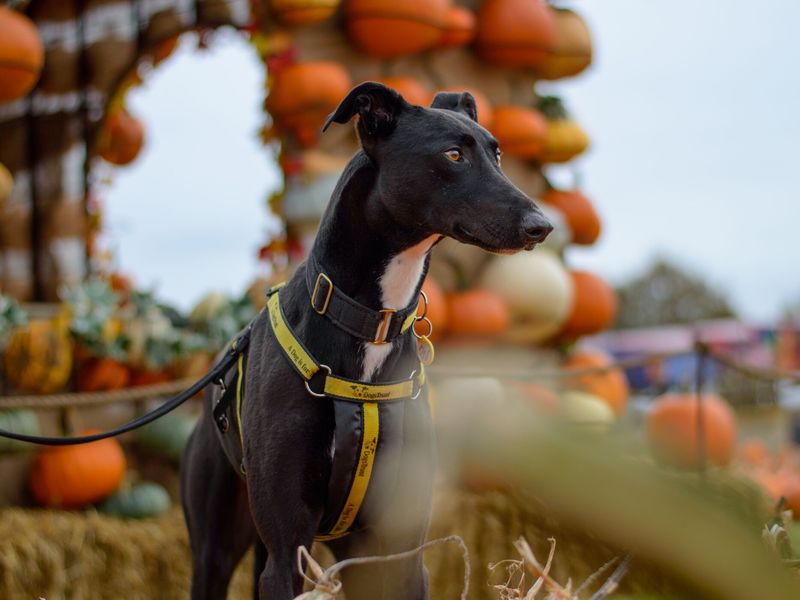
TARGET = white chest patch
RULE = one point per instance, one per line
(398, 283)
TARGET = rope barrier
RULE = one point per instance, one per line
(762, 373)
(538, 374)
(80, 399)
(133, 394)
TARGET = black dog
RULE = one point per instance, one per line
(423, 173)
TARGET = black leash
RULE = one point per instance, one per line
(214, 375)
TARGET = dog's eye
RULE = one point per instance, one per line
(497, 155)
(454, 154)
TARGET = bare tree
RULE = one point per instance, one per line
(666, 294)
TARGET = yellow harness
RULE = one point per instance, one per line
(358, 401)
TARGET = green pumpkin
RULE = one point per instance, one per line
(18, 421)
(168, 435)
(140, 501)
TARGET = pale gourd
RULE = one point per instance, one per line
(537, 289)
(582, 408)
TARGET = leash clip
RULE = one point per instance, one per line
(320, 279)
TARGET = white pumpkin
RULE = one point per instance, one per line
(535, 285)
(153, 324)
(585, 409)
(464, 404)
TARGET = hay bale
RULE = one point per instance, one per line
(491, 521)
(77, 556)
(86, 555)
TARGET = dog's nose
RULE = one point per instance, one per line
(536, 227)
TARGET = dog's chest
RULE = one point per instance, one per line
(398, 284)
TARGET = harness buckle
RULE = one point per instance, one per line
(383, 326)
(320, 279)
(223, 424)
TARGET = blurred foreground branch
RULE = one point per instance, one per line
(596, 482)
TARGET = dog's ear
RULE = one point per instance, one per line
(463, 103)
(377, 106)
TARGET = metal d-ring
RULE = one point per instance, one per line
(411, 378)
(308, 387)
(430, 327)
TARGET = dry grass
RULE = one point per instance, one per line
(88, 556)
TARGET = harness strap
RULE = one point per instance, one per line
(370, 429)
(334, 386)
(376, 326)
(362, 403)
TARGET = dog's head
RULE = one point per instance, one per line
(439, 171)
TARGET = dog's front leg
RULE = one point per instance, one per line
(287, 459)
(284, 520)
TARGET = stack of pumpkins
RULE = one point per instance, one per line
(530, 298)
(103, 340)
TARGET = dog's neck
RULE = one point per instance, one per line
(367, 254)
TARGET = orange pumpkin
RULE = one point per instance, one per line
(476, 312)
(519, 130)
(673, 433)
(482, 104)
(458, 29)
(610, 386)
(581, 216)
(121, 138)
(390, 29)
(101, 374)
(21, 54)
(409, 88)
(303, 12)
(571, 52)
(74, 476)
(515, 33)
(594, 306)
(304, 94)
(437, 308)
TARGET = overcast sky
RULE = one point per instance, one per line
(693, 107)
